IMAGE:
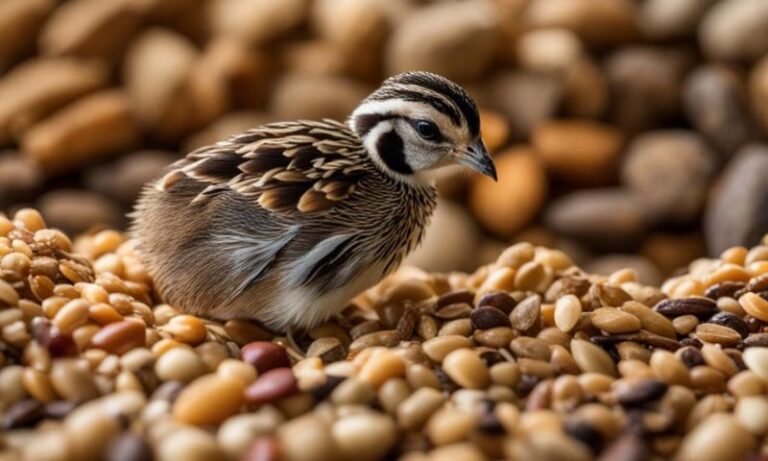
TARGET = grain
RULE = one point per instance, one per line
(567, 312)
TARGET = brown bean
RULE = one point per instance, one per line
(264, 356)
(273, 385)
(120, 337)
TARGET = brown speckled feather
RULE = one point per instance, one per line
(301, 166)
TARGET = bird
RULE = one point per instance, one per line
(287, 222)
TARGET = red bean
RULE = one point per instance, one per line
(264, 356)
(272, 385)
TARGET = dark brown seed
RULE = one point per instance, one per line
(628, 447)
(584, 432)
(454, 311)
(272, 385)
(756, 340)
(322, 391)
(690, 356)
(329, 349)
(642, 337)
(264, 448)
(700, 307)
(265, 355)
(487, 317)
(634, 393)
(460, 296)
(499, 300)
(731, 321)
(25, 413)
(120, 337)
(757, 284)
(492, 357)
(526, 314)
(721, 289)
(607, 295)
(129, 447)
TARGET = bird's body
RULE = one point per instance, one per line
(287, 222)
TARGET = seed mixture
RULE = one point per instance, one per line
(528, 358)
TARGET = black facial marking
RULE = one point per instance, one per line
(433, 101)
(364, 123)
(392, 152)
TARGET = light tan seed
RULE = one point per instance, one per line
(505, 374)
(450, 425)
(717, 334)
(717, 438)
(754, 305)
(615, 321)
(381, 366)
(567, 312)
(745, 383)
(756, 359)
(592, 358)
(209, 400)
(650, 319)
(437, 348)
(72, 315)
(717, 358)
(530, 276)
(752, 413)
(668, 368)
(467, 369)
(685, 324)
(414, 411)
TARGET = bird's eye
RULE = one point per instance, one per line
(427, 130)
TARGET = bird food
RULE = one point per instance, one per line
(529, 357)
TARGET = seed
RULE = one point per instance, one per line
(120, 337)
(265, 355)
(419, 376)
(453, 297)
(567, 312)
(25, 413)
(530, 276)
(754, 305)
(439, 347)
(499, 300)
(467, 369)
(526, 314)
(179, 364)
(73, 382)
(38, 385)
(613, 320)
(383, 338)
(685, 324)
(668, 368)
(188, 443)
(8, 295)
(516, 255)
(718, 334)
(72, 315)
(608, 295)
(209, 400)
(638, 392)
(380, 367)
(307, 437)
(531, 348)
(414, 411)
(275, 384)
(718, 438)
(698, 306)
(450, 425)
(756, 358)
(364, 436)
(752, 414)
(745, 383)
(732, 321)
(129, 447)
(487, 317)
(650, 319)
(592, 358)
(391, 394)
(187, 329)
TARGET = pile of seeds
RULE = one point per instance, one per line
(526, 358)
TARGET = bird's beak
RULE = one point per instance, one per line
(477, 157)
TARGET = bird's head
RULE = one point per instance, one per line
(419, 121)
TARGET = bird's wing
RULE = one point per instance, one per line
(287, 167)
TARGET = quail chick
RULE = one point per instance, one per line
(287, 222)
